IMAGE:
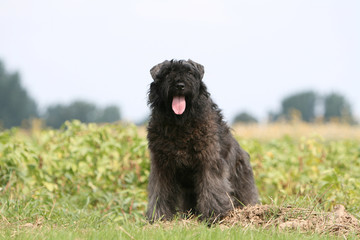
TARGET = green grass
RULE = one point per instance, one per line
(89, 182)
(80, 224)
(66, 219)
(114, 232)
(137, 232)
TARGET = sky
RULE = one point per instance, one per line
(255, 52)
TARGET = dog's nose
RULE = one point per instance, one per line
(180, 86)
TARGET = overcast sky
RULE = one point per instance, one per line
(255, 52)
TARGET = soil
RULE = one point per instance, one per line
(339, 222)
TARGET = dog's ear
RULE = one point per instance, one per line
(156, 69)
(198, 67)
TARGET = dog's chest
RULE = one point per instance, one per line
(181, 146)
(186, 147)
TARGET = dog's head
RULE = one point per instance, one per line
(176, 85)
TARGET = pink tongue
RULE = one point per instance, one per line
(178, 105)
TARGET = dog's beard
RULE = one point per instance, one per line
(178, 105)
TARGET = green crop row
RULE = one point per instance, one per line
(325, 172)
(102, 167)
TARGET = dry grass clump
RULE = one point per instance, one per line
(338, 222)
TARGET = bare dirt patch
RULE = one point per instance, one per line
(339, 222)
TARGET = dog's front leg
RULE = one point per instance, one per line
(213, 190)
(162, 194)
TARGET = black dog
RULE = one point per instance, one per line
(196, 164)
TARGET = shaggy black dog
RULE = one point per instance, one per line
(196, 164)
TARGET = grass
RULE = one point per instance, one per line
(135, 232)
(90, 225)
(66, 219)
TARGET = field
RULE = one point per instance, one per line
(88, 181)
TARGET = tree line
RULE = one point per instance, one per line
(16, 105)
(308, 106)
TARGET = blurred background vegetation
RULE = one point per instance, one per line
(18, 108)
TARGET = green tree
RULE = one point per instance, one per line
(56, 115)
(336, 106)
(303, 102)
(15, 103)
(84, 111)
(244, 117)
(109, 114)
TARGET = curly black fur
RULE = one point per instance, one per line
(196, 164)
